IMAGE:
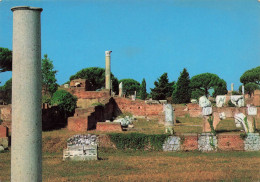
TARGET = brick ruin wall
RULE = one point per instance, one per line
(140, 108)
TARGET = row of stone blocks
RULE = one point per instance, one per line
(207, 142)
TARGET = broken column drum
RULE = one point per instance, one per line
(108, 70)
(169, 118)
(26, 151)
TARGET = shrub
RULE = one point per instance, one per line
(65, 101)
(138, 141)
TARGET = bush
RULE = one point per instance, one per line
(65, 101)
(138, 141)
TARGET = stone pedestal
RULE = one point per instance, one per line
(26, 151)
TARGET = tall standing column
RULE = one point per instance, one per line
(108, 70)
(26, 151)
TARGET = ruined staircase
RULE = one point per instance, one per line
(86, 118)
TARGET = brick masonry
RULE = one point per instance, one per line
(229, 142)
(108, 126)
(3, 131)
(189, 142)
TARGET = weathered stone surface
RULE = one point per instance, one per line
(81, 147)
(222, 115)
(207, 142)
(26, 153)
(194, 101)
(121, 89)
(124, 121)
(163, 101)
(252, 111)
(206, 111)
(172, 144)
(108, 70)
(4, 142)
(204, 102)
(220, 100)
(238, 100)
(152, 102)
(240, 120)
(252, 142)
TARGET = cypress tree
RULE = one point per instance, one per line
(182, 93)
(143, 90)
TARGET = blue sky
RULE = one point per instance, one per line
(147, 37)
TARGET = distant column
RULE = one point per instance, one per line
(108, 70)
(243, 89)
(26, 151)
(232, 87)
(121, 89)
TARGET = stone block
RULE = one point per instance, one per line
(220, 100)
(206, 111)
(4, 142)
(207, 142)
(252, 111)
(172, 143)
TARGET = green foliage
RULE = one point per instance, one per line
(163, 88)
(182, 91)
(251, 76)
(143, 93)
(175, 99)
(49, 84)
(230, 104)
(196, 94)
(130, 86)
(5, 59)
(138, 141)
(243, 136)
(246, 123)
(250, 88)
(206, 81)
(210, 120)
(6, 91)
(254, 125)
(98, 104)
(96, 78)
(65, 101)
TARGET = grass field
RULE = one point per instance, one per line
(115, 165)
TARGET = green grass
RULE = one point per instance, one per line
(116, 165)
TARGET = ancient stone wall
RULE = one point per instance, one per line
(229, 142)
(139, 108)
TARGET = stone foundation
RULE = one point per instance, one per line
(173, 143)
(207, 142)
(252, 142)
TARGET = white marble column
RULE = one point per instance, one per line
(26, 150)
(108, 70)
